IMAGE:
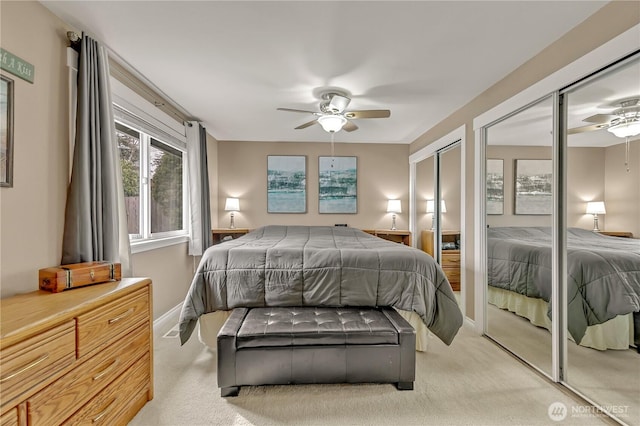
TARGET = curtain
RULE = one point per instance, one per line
(95, 226)
(199, 202)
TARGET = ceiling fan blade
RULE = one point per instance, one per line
(368, 113)
(583, 129)
(296, 110)
(307, 124)
(600, 118)
(349, 127)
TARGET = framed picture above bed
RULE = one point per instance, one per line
(495, 186)
(338, 184)
(533, 187)
(286, 183)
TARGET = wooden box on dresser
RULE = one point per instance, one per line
(82, 356)
(450, 257)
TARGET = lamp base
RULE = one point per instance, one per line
(393, 223)
(595, 223)
(231, 224)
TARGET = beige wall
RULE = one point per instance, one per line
(383, 173)
(610, 21)
(32, 212)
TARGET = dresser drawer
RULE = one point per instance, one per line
(10, 418)
(110, 405)
(36, 362)
(110, 322)
(450, 259)
(56, 402)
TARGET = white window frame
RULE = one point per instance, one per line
(135, 112)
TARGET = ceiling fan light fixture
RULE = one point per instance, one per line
(332, 123)
(626, 129)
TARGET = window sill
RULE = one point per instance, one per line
(146, 245)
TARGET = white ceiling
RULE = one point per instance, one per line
(231, 64)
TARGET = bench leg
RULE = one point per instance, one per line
(230, 391)
(404, 385)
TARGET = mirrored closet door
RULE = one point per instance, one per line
(603, 239)
(519, 207)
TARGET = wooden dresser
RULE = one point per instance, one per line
(450, 256)
(82, 356)
(397, 236)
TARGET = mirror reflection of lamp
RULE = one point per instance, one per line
(595, 208)
(430, 210)
(232, 205)
(394, 206)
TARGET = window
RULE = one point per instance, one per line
(153, 177)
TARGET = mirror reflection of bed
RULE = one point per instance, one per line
(603, 251)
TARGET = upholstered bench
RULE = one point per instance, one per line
(295, 345)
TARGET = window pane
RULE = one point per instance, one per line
(129, 147)
(165, 172)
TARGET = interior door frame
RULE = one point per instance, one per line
(609, 53)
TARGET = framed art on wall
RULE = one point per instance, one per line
(533, 187)
(286, 184)
(495, 186)
(338, 184)
(6, 131)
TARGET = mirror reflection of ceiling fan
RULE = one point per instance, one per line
(623, 122)
(333, 115)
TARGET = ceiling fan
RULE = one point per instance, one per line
(333, 116)
(623, 122)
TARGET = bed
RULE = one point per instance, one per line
(603, 284)
(320, 266)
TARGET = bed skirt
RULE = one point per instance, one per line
(617, 333)
(211, 323)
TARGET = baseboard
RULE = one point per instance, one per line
(468, 322)
(167, 320)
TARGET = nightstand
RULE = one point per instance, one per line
(620, 234)
(218, 234)
(450, 259)
(397, 236)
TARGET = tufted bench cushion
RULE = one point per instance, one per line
(292, 345)
(315, 326)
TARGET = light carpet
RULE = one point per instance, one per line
(471, 382)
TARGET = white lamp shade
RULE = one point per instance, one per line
(596, 207)
(232, 204)
(332, 123)
(626, 129)
(430, 206)
(394, 206)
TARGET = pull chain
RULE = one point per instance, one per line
(626, 154)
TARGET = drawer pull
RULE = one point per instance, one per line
(103, 412)
(123, 316)
(107, 369)
(25, 368)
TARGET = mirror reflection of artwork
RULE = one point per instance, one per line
(533, 187)
(495, 186)
(338, 185)
(286, 184)
(6, 135)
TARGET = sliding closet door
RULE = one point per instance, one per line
(603, 212)
(519, 206)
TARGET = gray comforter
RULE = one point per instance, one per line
(603, 272)
(320, 266)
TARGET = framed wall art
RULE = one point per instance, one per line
(533, 187)
(338, 184)
(286, 184)
(495, 186)
(6, 131)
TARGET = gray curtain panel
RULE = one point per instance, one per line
(204, 182)
(91, 230)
